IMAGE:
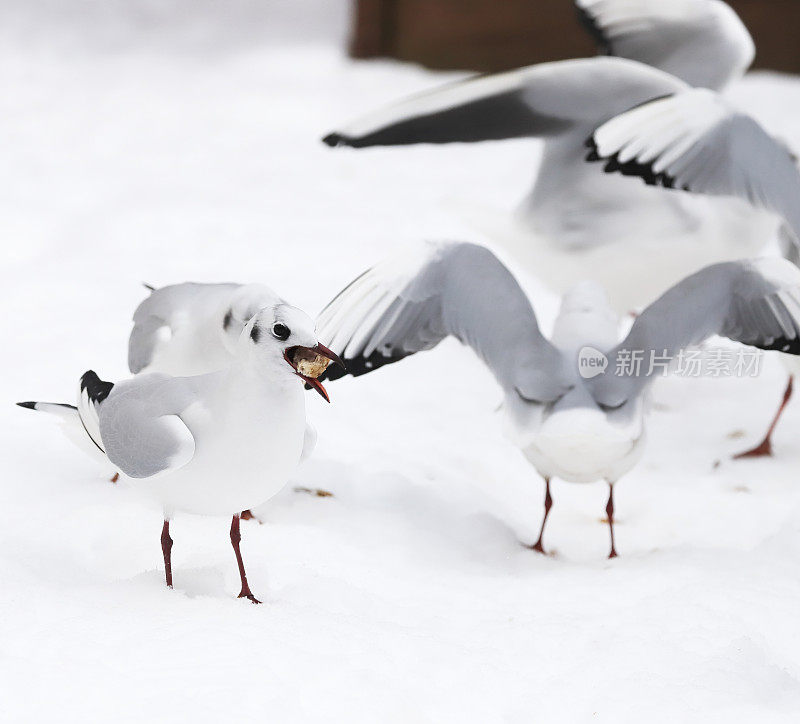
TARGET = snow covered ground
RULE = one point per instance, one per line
(407, 596)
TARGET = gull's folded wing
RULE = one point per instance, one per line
(537, 101)
(754, 302)
(695, 142)
(702, 42)
(411, 302)
(141, 426)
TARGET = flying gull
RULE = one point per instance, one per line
(569, 424)
(696, 142)
(577, 223)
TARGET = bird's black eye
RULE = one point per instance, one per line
(280, 331)
(255, 334)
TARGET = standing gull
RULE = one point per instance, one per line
(216, 443)
(577, 223)
(193, 328)
(568, 425)
(184, 330)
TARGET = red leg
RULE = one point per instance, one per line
(548, 503)
(610, 515)
(236, 537)
(166, 549)
(114, 478)
(764, 449)
(247, 515)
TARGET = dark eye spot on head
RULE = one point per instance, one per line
(281, 331)
(226, 322)
(255, 334)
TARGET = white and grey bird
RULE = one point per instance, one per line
(194, 328)
(577, 222)
(184, 330)
(568, 425)
(216, 443)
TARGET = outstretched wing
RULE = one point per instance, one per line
(702, 42)
(538, 101)
(141, 426)
(695, 142)
(409, 303)
(754, 302)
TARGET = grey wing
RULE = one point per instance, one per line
(411, 302)
(141, 426)
(155, 317)
(702, 42)
(695, 142)
(538, 101)
(754, 302)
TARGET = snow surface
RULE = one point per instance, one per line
(407, 596)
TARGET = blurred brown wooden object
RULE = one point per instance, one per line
(492, 35)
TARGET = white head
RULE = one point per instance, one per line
(281, 340)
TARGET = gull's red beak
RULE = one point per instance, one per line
(309, 363)
(330, 354)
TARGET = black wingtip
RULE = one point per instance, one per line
(27, 405)
(592, 156)
(334, 372)
(357, 366)
(782, 344)
(96, 389)
(644, 171)
(334, 139)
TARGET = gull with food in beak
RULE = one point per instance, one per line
(216, 443)
(183, 330)
(192, 328)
